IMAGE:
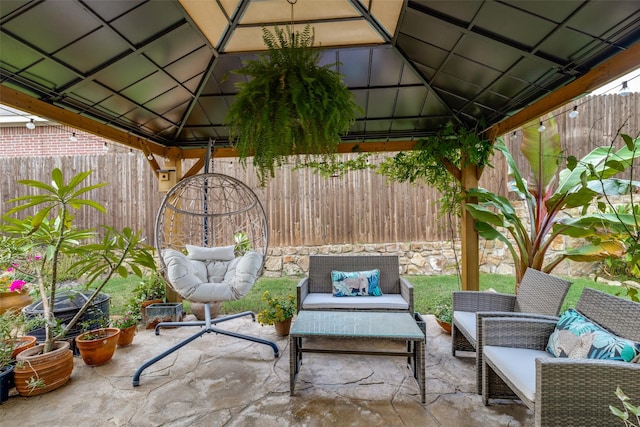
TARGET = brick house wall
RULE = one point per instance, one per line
(51, 140)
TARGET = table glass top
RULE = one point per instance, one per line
(362, 324)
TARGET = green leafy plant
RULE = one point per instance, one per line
(290, 105)
(628, 411)
(10, 324)
(151, 287)
(443, 310)
(51, 235)
(278, 309)
(242, 243)
(126, 320)
(439, 159)
(546, 196)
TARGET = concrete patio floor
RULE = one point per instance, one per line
(221, 381)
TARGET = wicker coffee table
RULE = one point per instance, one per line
(359, 325)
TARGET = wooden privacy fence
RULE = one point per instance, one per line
(305, 209)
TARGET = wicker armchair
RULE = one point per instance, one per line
(561, 391)
(540, 295)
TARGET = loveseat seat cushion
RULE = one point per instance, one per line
(324, 301)
(518, 365)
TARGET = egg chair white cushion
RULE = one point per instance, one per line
(211, 280)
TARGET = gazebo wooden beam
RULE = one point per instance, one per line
(21, 101)
(619, 65)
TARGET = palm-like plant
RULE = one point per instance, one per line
(548, 193)
(50, 234)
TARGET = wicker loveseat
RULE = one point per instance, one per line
(315, 292)
(562, 391)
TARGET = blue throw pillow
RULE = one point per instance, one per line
(576, 336)
(356, 283)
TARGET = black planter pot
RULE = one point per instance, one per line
(66, 306)
(6, 382)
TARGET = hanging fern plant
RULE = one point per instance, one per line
(290, 106)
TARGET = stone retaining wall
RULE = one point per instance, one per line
(417, 258)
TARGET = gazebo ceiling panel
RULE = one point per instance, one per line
(83, 56)
(163, 70)
(190, 66)
(148, 22)
(270, 11)
(410, 101)
(49, 74)
(183, 42)
(90, 93)
(354, 66)
(124, 73)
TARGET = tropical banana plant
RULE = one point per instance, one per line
(548, 193)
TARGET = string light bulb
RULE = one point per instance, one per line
(31, 125)
(624, 90)
(150, 156)
(514, 136)
(542, 127)
(105, 147)
(73, 137)
(574, 113)
(131, 151)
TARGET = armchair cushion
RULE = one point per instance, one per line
(576, 336)
(356, 283)
(517, 365)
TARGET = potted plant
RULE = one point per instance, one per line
(127, 324)
(279, 312)
(45, 238)
(150, 290)
(14, 287)
(98, 346)
(7, 345)
(443, 311)
(290, 105)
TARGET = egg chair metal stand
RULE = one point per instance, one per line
(210, 211)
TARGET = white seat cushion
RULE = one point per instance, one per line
(231, 281)
(466, 322)
(518, 365)
(316, 301)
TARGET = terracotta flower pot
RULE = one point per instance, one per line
(96, 351)
(444, 325)
(21, 344)
(282, 328)
(52, 369)
(126, 336)
(15, 300)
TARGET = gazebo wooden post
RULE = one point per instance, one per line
(470, 245)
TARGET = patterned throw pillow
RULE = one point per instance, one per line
(576, 336)
(356, 283)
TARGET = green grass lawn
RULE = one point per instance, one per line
(428, 291)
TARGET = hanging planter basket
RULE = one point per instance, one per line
(291, 105)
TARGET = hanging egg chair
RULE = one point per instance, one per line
(212, 239)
